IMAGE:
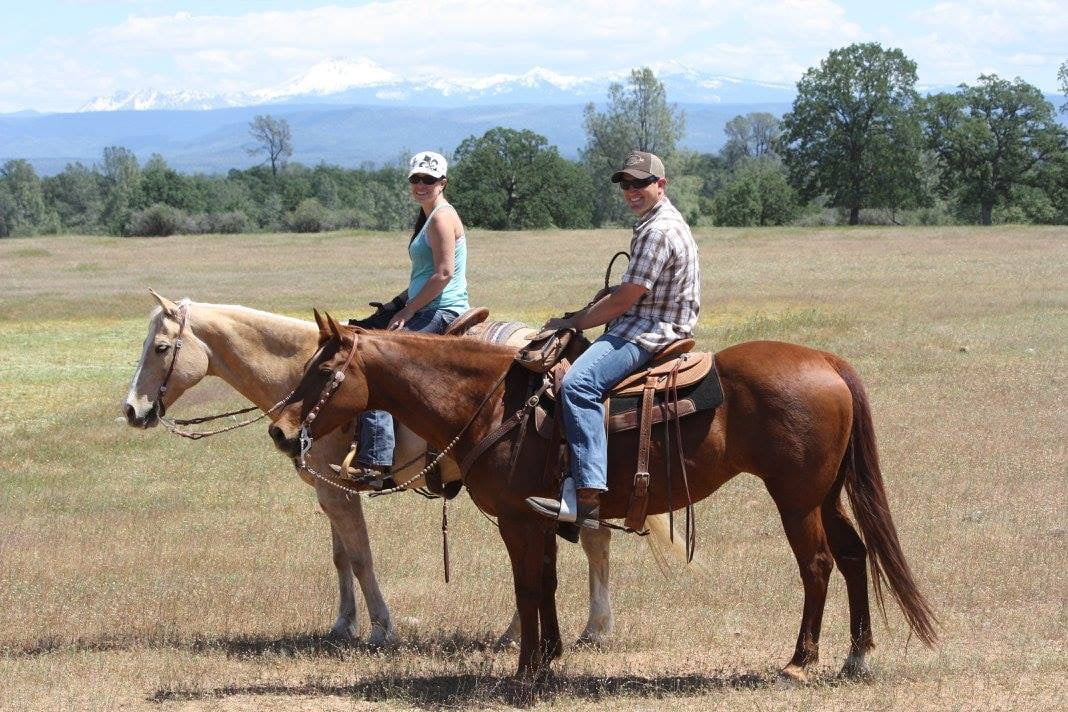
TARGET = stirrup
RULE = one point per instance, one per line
(568, 502)
(369, 477)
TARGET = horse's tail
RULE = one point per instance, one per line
(867, 495)
(666, 547)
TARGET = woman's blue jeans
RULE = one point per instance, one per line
(376, 426)
(605, 363)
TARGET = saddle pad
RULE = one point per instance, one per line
(504, 333)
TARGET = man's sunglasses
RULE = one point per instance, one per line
(637, 183)
(425, 180)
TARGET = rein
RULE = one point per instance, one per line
(306, 439)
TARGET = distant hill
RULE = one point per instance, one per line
(214, 141)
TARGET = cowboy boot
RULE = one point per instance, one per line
(583, 510)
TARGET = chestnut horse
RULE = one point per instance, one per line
(795, 417)
(262, 356)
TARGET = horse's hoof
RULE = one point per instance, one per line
(793, 675)
(591, 641)
(343, 631)
(382, 637)
(856, 668)
(506, 642)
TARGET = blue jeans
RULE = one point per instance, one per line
(605, 363)
(376, 426)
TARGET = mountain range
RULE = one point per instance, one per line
(354, 112)
(364, 82)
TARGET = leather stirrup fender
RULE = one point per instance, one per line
(639, 493)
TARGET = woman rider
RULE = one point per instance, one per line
(436, 294)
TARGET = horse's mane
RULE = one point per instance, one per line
(249, 311)
(466, 345)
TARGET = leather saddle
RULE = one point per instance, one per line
(652, 396)
(673, 366)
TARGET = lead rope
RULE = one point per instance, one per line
(445, 535)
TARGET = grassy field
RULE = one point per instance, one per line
(141, 571)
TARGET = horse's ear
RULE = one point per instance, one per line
(335, 328)
(169, 307)
(324, 328)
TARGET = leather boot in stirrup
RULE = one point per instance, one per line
(582, 507)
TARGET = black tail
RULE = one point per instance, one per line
(867, 495)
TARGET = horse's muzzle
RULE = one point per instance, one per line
(149, 420)
(290, 446)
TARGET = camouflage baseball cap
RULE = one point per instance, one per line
(640, 164)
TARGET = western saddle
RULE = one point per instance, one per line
(673, 367)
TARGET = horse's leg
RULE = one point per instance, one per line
(805, 533)
(526, 547)
(851, 556)
(347, 519)
(510, 637)
(347, 624)
(551, 646)
(599, 623)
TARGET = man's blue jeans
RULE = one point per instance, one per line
(376, 426)
(605, 363)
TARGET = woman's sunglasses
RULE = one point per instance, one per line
(425, 180)
(638, 183)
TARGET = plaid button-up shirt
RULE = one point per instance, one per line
(663, 259)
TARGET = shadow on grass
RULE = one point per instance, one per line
(474, 690)
(249, 647)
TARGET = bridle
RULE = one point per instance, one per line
(306, 439)
(174, 426)
(161, 408)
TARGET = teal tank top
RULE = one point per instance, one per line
(454, 296)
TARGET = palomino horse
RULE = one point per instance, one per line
(262, 356)
(795, 417)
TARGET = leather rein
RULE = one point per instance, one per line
(306, 439)
(174, 426)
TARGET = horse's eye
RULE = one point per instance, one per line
(162, 348)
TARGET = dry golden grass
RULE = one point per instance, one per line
(138, 571)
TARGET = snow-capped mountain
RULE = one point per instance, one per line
(150, 99)
(362, 81)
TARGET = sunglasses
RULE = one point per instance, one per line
(425, 180)
(638, 183)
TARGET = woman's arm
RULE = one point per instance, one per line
(441, 236)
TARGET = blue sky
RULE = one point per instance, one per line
(66, 52)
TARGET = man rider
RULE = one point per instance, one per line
(655, 304)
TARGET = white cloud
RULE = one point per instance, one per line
(959, 40)
(470, 39)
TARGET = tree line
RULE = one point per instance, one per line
(860, 144)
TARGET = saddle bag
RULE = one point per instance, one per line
(544, 350)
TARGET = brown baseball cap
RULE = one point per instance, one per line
(640, 164)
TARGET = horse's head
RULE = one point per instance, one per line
(166, 370)
(332, 389)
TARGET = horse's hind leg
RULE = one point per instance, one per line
(851, 556)
(809, 543)
(347, 624)
(599, 623)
